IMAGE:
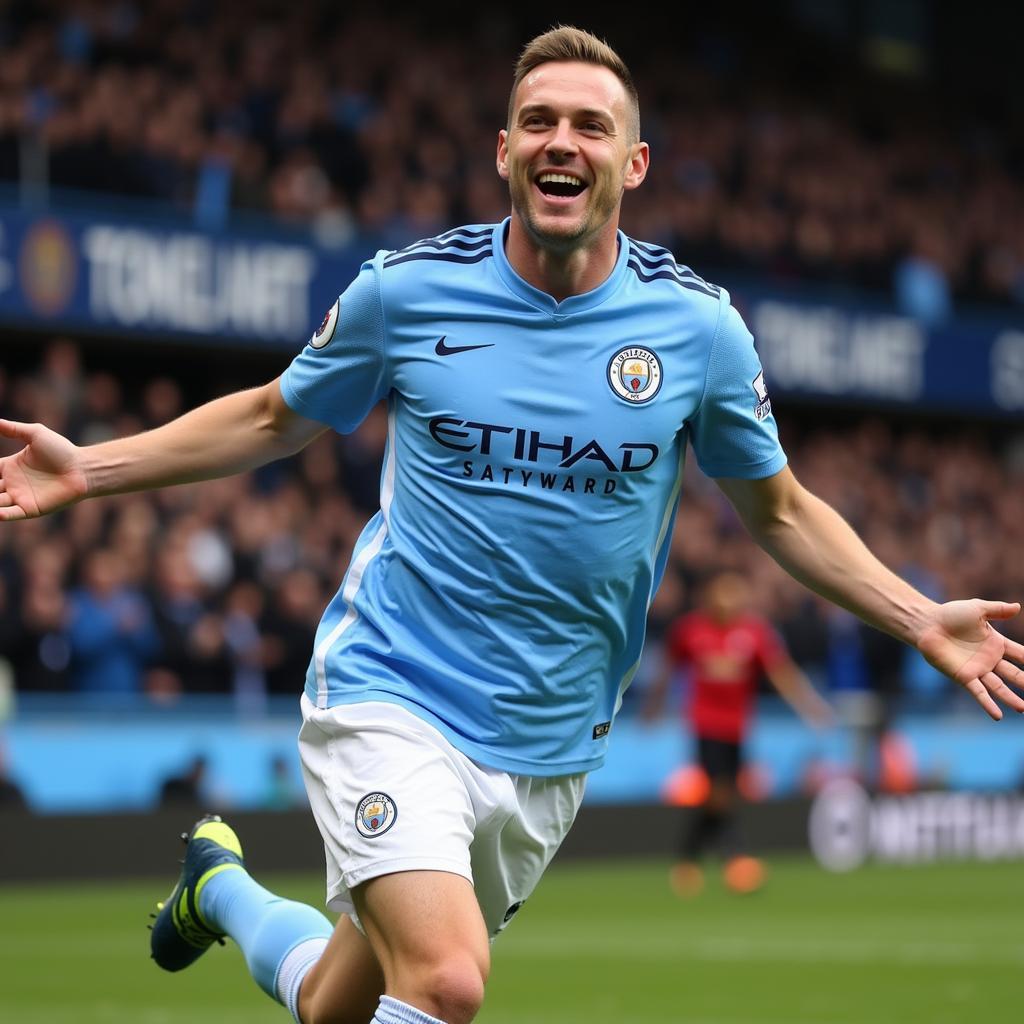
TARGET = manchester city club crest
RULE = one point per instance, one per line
(375, 814)
(635, 374)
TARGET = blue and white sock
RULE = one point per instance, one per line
(293, 970)
(281, 939)
(394, 1011)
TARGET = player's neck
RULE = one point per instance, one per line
(562, 273)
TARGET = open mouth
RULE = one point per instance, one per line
(560, 186)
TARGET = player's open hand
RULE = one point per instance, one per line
(961, 643)
(44, 476)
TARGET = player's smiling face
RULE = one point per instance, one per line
(568, 154)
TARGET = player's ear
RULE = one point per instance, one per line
(502, 159)
(639, 161)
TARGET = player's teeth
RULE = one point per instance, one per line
(559, 179)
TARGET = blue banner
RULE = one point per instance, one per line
(101, 274)
(847, 353)
(153, 279)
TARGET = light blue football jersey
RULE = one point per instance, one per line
(530, 483)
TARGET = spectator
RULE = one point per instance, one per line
(243, 610)
(289, 630)
(187, 788)
(282, 791)
(110, 630)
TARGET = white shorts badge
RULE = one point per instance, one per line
(634, 374)
(325, 331)
(375, 814)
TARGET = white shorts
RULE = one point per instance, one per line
(390, 793)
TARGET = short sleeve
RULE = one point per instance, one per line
(342, 372)
(734, 432)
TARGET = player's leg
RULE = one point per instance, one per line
(721, 759)
(345, 984)
(280, 939)
(742, 873)
(697, 832)
(721, 762)
(710, 825)
(428, 933)
(430, 929)
(398, 819)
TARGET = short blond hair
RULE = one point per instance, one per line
(566, 43)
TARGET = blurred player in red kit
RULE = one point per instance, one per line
(727, 649)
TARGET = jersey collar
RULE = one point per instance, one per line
(543, 301)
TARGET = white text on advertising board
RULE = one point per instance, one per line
(848, 827)
(187, 282)
(835, 353)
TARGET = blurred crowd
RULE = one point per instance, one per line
(210, 588)
(303, 110)
(217, 587)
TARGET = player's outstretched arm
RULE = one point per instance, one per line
(816, 546)
(226, 436)
(799, 693)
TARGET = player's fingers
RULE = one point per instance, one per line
(1013, 649)
(999, 609)
(5, 499)
(12, 513)
(1010, 673)
(19, 431)
(1000, 690)
(977, 690)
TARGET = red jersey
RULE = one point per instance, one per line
(726, 661)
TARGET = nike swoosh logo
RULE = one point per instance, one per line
(449, 350)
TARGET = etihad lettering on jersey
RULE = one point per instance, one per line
(525, 445)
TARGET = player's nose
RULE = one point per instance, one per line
(562, 142)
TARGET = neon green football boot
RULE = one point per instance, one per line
(180, 935)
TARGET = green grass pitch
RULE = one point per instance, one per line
(601, 944)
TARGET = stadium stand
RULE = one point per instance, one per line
(813, 171)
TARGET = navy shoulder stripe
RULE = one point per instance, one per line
(444, 257)
(431, 244)
(650, 266)
(651, 255)
(484, 232)
(434, 243)
(668, 263)
(666, 274)
(658, 252)
(450, 239)
(650, 247)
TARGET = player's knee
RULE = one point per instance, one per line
(453, 986)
